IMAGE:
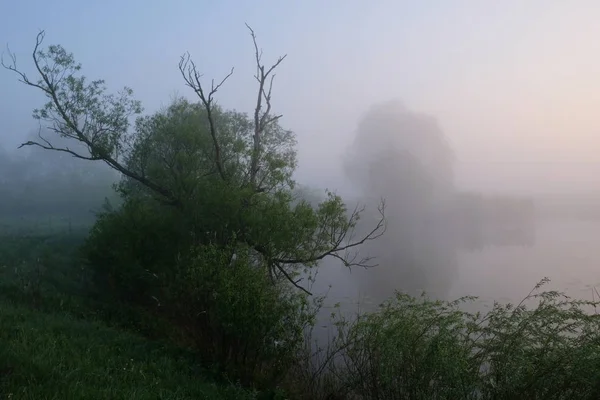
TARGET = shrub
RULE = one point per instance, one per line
(215, 298)
(417, 348)
(549, 351)
(128, 247)
(411, 348)
(236, 316)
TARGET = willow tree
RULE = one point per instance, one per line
(198, 159)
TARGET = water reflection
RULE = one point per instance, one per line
(436, 252)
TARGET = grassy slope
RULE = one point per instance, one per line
(46, 356)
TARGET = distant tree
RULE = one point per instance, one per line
(391, 134)
(405, 157)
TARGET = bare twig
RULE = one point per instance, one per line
(261, 121)
(334, 250)
(190, 74)
(12, 66)
(290, 279)
(375, 233)
(48, 146)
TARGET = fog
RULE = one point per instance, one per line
(417, 102)
(40, 185)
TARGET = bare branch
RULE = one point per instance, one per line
(48, 146)
(13, 64)
(191, 76)
(335, 250)
(261, 121)
(290, 279)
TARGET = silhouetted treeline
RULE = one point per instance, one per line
(404, 157)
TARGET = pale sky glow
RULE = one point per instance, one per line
(514, 84)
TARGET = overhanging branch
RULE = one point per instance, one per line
(375, 233)
(60, 85)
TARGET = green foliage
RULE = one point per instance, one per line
(35, 269)
(412, 348)
(229, 310)
(174, 148)
(200, 184)
(416, 348)
(80, 110)
(128, 247)
(236, 316)
(50, 274)
(550, 351)
(220, 169)
(547, 347)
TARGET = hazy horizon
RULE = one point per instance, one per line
(511, 84)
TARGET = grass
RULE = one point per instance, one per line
(52, 356)
(57, 348)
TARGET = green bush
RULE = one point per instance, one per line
(411, 348)
(229, 310)
(128, 247)
(548, 351)
(417, 348)
(236, 316)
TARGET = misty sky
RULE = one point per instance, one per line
(515, 85)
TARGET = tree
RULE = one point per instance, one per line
(405, 157)
(246, 163)
(388, 133)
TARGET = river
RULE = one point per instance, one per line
(565, 250)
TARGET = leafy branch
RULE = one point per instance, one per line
(81, 111)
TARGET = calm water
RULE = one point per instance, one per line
(566, 251)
